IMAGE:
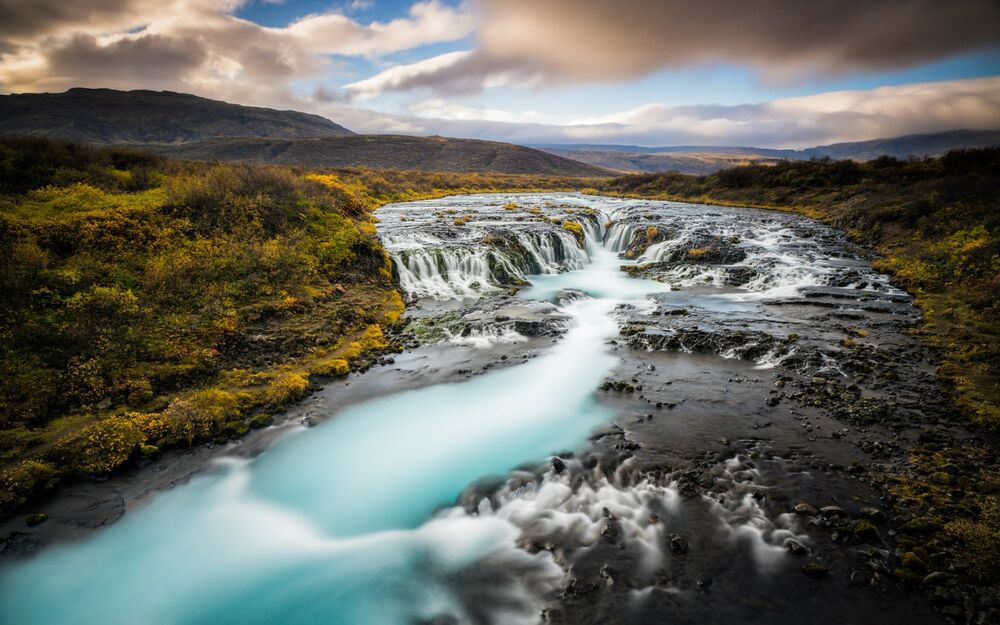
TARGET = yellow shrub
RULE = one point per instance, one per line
(286, 387)
(336, 367)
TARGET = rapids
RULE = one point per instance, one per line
(439, 504)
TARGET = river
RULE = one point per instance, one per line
(565, 441)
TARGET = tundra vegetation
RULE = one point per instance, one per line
(149, 304)
(934, 225)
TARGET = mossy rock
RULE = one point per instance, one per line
(921, 525)
(815, 570)
(874, 515)
(36, 519)
(913, 562)
(261, 420)
(865, 531)
(906, 575)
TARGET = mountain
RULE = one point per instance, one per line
(107, 116)
(694, 159)
(190, 127)
(386, 152)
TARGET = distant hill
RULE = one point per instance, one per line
(683, 162)
(909, 145)
(107, 116)
(387, 152)
(692, 159)
(190, 127)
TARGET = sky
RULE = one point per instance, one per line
(767, 73)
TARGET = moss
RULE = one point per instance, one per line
(913, 562)
(906, 575)
(865, 531)
(576, 230)
(979, 541)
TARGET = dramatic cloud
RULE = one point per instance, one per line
(559, 41)
(786, 123)
(194, 45)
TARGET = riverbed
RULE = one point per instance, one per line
(609, 411)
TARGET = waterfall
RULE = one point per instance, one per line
(448, 269)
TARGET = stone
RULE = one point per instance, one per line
(874, 515)
(806, 509)
(678, 544)
(796, 548)
(815, 570)
(937, 578)
(831, 511)
(865, 531)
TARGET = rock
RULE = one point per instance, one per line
(861, 578)
(906, 575)
(608, 573)
(806, 509)
(815, 570)
(937, 578)
(36, 519)
(678, 544)
(558, 465)
(609, 531)
(874, 515)
(865, 531)
(912, 562)
(832, 511)
(796, 548)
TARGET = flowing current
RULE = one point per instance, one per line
(355, 520)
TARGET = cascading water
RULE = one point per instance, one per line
(332, 524)
(354, 521)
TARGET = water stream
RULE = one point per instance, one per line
(354, 521)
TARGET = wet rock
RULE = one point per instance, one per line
(865, 531)
(815, 570)
(832, 511)
(861, 577)
(937, 578)
(618, 386)
(806, 509)
(796, 548)
(678, 544)
(911, 561)
(558, 466)
(609, 531)
(608, 573)
(36, 519)
(874, 515)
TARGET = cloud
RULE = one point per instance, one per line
(562, 41)
(784, 123)
(201, 45)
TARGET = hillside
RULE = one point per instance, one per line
(107, 116)
(694, 159)
(685, 163)
(387, 152)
